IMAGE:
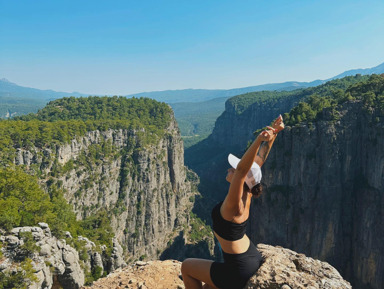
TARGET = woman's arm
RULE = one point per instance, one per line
(235, 192)
(264, 150)
(249, 157)
(265, 147)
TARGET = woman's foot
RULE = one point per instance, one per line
(278, 124)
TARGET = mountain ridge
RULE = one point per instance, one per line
(364, 71)
(11, 89)
(173, 96)
(197, 95)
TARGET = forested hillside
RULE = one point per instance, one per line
(64, 119)
(197, 119)
(99, 167)
(59, 123)
(272, 98)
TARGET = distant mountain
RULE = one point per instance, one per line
(9, 89)
(197, 95)
(374, 70)
(200, 95)
(17, 100)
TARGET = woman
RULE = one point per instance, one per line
(241, 258)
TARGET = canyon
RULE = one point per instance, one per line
(323, 184)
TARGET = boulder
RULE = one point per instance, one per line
(285, 269)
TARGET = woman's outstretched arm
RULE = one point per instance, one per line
(265, 147)
(264, 150)
(235, 192)
(267, 138)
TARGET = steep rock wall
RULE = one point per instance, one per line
(325, 194)
(233, 129)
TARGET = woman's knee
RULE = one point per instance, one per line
(186, 265)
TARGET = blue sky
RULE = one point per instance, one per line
(123, 47)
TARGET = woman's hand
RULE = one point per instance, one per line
(278, 124)
(267, 135)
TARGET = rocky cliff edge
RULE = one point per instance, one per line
(281, 269)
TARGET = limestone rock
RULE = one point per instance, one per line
(73, 276)
(151, 275)
(97, 261)
(286, 269)
(117, 256)
(43, 225)
(12, 241)
(56, 263)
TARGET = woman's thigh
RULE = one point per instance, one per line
(198, 269)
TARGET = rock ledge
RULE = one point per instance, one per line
(282, 269)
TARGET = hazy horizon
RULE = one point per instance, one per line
(125, 47)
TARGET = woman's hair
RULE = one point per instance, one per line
(256, 190)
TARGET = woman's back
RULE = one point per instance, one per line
(229, 229)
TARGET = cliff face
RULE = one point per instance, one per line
(233, 129)
(324, 186)
(325, 194)
(143, 187)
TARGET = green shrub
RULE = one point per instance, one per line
(97, 272)
(29, 246)
(19, 279)
(198, 229)
(22, 201)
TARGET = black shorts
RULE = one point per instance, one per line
(237, 269)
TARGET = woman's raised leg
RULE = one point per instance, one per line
(196, 271)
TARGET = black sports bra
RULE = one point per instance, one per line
(226, 229)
